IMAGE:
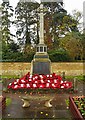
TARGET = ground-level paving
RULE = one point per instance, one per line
(37, 110)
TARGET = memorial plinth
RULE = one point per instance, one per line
(41, 62)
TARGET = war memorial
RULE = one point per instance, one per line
(41, 94)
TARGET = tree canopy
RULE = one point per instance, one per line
(7, 13)
(62, 36)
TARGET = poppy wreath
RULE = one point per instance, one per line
(40, 81)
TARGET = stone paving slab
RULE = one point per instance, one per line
(37, 110)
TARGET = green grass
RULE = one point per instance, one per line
(67, 77)
(79, 78)
(10, 76)
(8, 101)
(67, 102)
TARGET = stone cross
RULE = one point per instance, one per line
(41, 47)
(41, 40)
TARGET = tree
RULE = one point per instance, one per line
(7, 13)
(0, 35)
(72, 44)
(83, 44)
(13, 47)
(50, 27)
(26, 22)
(57, 23)
(77, 15)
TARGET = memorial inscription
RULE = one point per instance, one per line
(41, 68)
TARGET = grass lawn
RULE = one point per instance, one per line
(8, 101)
(79, 78)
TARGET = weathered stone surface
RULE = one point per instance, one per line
(41, 67)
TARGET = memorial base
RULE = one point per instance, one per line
(41, 64)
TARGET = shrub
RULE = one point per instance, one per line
(59, 55)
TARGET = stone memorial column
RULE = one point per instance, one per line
(41, 62)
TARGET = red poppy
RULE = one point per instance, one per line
(41, 85)
(34, 85)
(40, 81)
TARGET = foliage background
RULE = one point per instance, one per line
(62, 35)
